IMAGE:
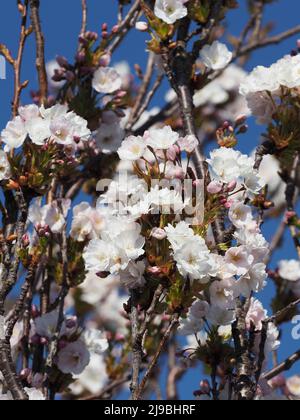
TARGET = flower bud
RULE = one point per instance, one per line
(215, 187)
(142, 26)
(62, 61)
(158, 233)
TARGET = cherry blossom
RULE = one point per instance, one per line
(170, 10)
(216, 56)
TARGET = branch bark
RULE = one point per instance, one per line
(40, 50)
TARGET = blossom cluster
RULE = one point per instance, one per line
(40, 125)
(132, 220)
(265, 86)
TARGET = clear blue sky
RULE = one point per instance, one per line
(61, 21)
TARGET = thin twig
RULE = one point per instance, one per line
(18, 86)
(166, 337)
(40, 50)
(283, 367)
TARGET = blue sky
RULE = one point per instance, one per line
(61, 21)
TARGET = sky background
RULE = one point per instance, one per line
(61, 20)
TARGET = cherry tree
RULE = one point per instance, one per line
(132, 237)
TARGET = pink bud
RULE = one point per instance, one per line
(71, 322)
(70, 76)
(26, 240)
(158, 233)
(121, 94)
(278, 382)
(34, 311)
(105, 60)
(154, 270)
(38, 380)
(172, 153)
(120, 337)
(62, 62)
(197, 183)
(289, 215)
(115, 29)
(142, 26)
(25, 373)
(35, 339)
(231, 186)
(215, 187)
(205, 387)
(240, 119)
(62, 344)
(188, 144)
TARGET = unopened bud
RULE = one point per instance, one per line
(142, 26)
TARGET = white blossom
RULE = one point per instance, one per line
(46, 325)
(293, 385)
(161, 138)
(253, 281)
(222, 294)
(38, 130)
(93, 378)
(15, 133)
(132, 148)
(34, 394)
(219, 316)
(188, 144)
(179, 235)
(193, 260)
(256, 314)
(216, 56)
(229, 165)
(133, 276)
(51, 215)
(170, 10)
(5, 170)
(239, 260)
(95, 341)
(241, 215)
(106, 80)
(73, 358)
(289, 270)
(87, 222)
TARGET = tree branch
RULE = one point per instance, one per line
(40, 50)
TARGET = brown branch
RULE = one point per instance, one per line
(17, 63)
(40, 50)
(175, 373)
(283, 367)
(150, 95)
(84, 17)
(245, 386)
(273, 40)
(283, 311)
(19, 306)
(107, 390)
(138, 334)
(166, 337)
(136, 347)
(7, 369)
(9, 281)
(142, 92)
(125, 26)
